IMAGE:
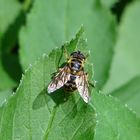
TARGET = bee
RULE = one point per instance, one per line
(72, 77)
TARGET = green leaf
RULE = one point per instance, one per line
(4, 96)
(114, 120)
(6, 81)
(126, 63)
(130, 94)
(10, 71)
(9, 12)
(109, 3)
(27, 5)
(33, 114)
(51, 23)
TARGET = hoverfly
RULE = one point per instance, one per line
(72, 77)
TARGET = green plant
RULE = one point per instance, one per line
(41, 28)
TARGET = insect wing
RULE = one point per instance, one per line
(59, 80)
(82, 86)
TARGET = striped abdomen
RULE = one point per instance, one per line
(71, 85)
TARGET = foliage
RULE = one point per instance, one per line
(33, 35)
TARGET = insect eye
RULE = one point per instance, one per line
(82, 56)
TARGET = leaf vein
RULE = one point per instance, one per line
(50, 123)
(74, 134)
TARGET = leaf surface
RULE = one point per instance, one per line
(9, 11)
(130, 94)
(114, 120)
(109, 3)
(4, 96)
(126, 63)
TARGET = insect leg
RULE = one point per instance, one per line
(91, 83)
(87, 54)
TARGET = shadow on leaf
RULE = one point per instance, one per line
(59, 97)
